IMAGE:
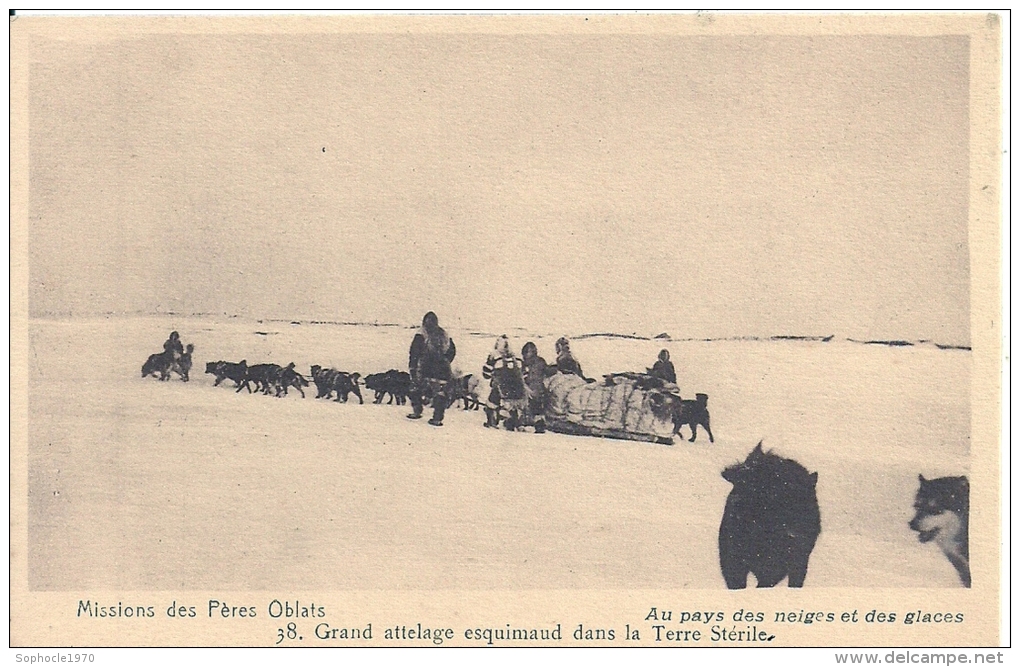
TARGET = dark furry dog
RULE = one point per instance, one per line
(771, 521)
(225, 370)
(288, 377)
(263, 376)
(346, 384)
(323, 379)
(693, 413)
(395, 383)
(329, 380)
(943, 514)
(158, 365)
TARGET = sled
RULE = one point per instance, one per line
(624, 407)
(569, 428)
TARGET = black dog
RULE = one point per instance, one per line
(346, 384)
(323, 379)
(771, 521)
(158, 365)
(395, 383)
(264, 376)
(693, 413)
(943, 514)
(329, 380)
(225, 370)
(288, 377)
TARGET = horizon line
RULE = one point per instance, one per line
(826, 338)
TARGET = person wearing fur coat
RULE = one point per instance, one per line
(535, 371)
(432, 351)
(505, 372)
(663, 368)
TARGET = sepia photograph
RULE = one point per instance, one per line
(572, 316)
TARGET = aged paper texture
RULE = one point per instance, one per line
(716, 230)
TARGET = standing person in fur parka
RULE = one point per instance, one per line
(534, 379)
(432, 350)
(506, 374)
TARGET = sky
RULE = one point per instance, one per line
(699, 186)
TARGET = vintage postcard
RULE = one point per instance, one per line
(671, 330)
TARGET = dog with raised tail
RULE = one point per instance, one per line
(942, 515)
(694, 414)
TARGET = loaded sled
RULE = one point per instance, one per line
(625, 406)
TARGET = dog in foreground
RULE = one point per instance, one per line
(942, 515)
(771, 521)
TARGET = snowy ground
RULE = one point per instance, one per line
(138, 484)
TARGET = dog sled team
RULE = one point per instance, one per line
(771, 520)
(516, 392)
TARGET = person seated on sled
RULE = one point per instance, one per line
(505, 372)
(565, 361)
(432, 351)
(663, 368)
(173, 348)
(534, 380)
